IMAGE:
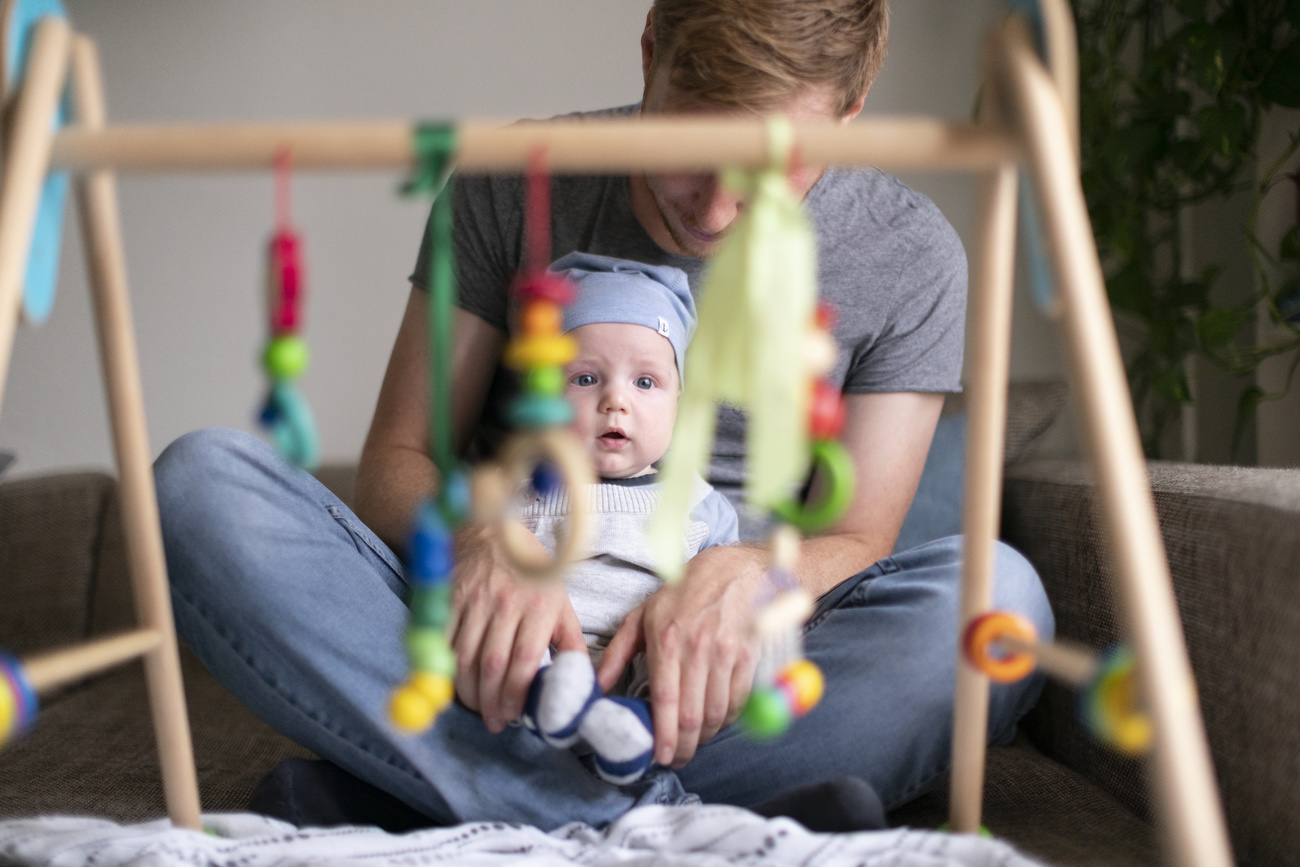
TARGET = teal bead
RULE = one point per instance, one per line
(455, 497)
(536, 410)
(547, 380)
(286, 357)
(767, 714)
(429, 651)
(431, 606)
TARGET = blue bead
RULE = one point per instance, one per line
(429, 556)
(545, 478)
(270, 413)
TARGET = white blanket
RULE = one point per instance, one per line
(709, 836)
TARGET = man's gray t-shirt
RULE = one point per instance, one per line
(888, 262)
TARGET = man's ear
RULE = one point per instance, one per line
(647, 48)
(856, 108)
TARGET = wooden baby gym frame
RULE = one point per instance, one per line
(1028, 120)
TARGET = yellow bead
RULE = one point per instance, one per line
(436, 688)
(8, 711)
(807, 684)
(527, 352)
(541, 318)
(411, 710)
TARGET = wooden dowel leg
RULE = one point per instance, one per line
(1189, 807)
(47, 671)
(101, 227)
(986, 422)
(26, 159)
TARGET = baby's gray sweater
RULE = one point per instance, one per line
(619, 575)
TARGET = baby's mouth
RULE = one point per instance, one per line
(614, 438)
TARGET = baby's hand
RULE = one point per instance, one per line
(501, 625)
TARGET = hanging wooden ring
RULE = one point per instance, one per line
(519, 457)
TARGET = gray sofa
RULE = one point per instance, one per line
(1233, 537)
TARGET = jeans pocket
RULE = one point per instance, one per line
(362, 534)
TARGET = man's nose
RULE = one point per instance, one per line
(716, 207)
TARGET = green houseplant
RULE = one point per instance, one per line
(1172, 96)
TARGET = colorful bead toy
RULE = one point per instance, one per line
(430, 549)
(18, 701)
(786, 685)
(1005, 647)
(543, 451)
(285, 412)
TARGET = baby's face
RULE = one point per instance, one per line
(624, 388)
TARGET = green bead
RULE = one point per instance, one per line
(547, 380)
(286, 356)
(431, 606)
(429, 651)
(767, 714)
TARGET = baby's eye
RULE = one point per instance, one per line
(583, 379)
(645, 382)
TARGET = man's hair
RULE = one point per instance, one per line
(759, 54)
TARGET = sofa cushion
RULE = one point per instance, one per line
(1234, 554)
(1048, 811)
(50, 530)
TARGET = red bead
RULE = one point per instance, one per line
(545, 287)
(286, 284)
(826, 414)
(825, 316)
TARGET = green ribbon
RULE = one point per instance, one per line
(435, 146)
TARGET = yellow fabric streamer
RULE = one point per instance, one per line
(756, 307)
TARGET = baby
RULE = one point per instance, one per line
(632, 323)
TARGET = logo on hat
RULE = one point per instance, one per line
(663, 326)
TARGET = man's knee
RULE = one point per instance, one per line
(196, 479)
(1018, 589)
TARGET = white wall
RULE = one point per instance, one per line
(194, 244)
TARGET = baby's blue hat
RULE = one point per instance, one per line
(620, 290)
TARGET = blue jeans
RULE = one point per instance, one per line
(298, 609)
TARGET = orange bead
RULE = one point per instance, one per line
(542, 318)
(804, 683)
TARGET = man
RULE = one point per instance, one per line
(884, 637)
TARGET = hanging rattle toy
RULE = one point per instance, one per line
(757, 314)
(1005, 646)
(285, 412)
(428, 689)
(542, 451)
(18, 702)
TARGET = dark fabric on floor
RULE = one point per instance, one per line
(319, 794)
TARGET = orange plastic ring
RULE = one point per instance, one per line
(987, 628)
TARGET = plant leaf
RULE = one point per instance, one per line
(1281, 84)
(1219, 326)
(1289, 249)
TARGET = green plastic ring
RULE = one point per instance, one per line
(831, 459)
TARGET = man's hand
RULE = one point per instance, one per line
(500, 626)
(701, 654)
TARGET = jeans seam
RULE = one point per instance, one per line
(364, 534)
(391, 760)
